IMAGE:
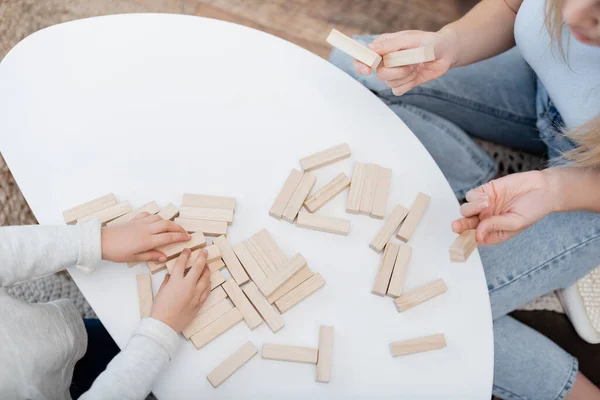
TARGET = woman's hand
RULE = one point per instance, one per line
(403, 79)
(504, 207)
(180, 296)
(135, 240)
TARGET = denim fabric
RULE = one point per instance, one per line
(501, 100)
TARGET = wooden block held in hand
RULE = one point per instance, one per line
(300, 194)
(325, 157)
(299, 293)
(354, 49)
(151, 208)
(239, 299)
(292, 283)
(168, 212)
(272, 318)
(420, 294)
(382, 190)
(463, 246)
(367, 197)
(280, 352)
(206, 214)
(327, 192)
(209, 228)
(276, 280)
(384, 274)
(356, 188)
(418, 345)
(414, 216)
(316, 222)
(202, 320)
(390, 225)
(284, 196)
(145, 294)
(325, 359)
(172, 250)
(417, 55)
(231, 261)
(73, 214)
(206, 201)
(232, 364)
(108, 214)
(216, 329)
(396, 286)
(249, 263)
(155, 267)
(213, 255)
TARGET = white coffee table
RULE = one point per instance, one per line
(152, 106)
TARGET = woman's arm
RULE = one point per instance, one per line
(574, 189)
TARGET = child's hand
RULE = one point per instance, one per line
(504, 207)
(402, 79)
(180, 297)
(135, 240)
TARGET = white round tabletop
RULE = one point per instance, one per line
(153, 106)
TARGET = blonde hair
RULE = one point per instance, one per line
(587, 136)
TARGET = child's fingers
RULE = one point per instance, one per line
(150, 255)
(164, 225)
(204, 281)
(164, 282)
(471, 209)
(205, 294)
(463, 224)
(150, 219)
(141, 215)
(198, 267)
(182, 261)
(361, 68)
(168, 238)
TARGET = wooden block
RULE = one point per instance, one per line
(261, 257)
(216, 265)
(299, 293)
(356, 188)
(327, 192)
(207, 214)
(418, 345)
(232, 364)
(216, 279)
(463, 246)
(290, 284)
(409, 56)
(206, 201)
(280, 352)
(300, 194)
(214, 254)
(207, 317)
(216, 329)
(367, 198)
(382, 190)
(414, 216)
(316, 222)
(145, 294)
(276, 280)
(108, 214)
(266, 242)
(168, 212)
(382, 280)
(248, 262)
(209, 228)
(215, 296)
(390, 226)
(325, 359)
(231, 261)
(325, 157)
(239, 299)
(353, 48)
(155, 267)
(420, 294)
(73, 214)
(151, 208)
(272, 318)
(396, 286)
(172, 250)
(284, 196)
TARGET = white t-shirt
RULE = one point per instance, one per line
(574, 85)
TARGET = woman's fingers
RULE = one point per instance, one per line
(477, 195)
(497, 223)
(401, 74)
(463, 224)
(361, 68)
(400, 90)
(471, 209)
(387, 43)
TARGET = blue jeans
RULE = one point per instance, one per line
(501, 100)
